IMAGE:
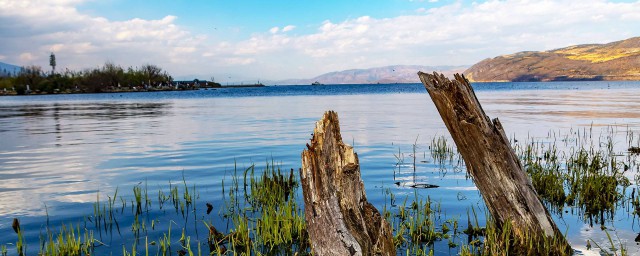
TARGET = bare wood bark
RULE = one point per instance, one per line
(340, 220)
(494, 166)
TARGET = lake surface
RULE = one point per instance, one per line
(57, 152)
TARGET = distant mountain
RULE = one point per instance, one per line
(613, 61)
(388, 74)
(8, 69)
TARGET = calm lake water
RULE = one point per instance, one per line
(57, 152)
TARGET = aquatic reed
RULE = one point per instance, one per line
(259, 211)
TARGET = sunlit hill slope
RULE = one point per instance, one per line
(613, 61)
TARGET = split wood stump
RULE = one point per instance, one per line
(340, 220)
(494, 166)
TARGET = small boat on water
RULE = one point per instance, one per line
(316, 83)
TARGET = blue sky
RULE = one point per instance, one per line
(253, 16)
(273, 40)
(237, 20)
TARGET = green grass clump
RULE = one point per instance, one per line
(593, 184)
(504, 241)
(418, 225)
(587, 175)
(265, 214)
(272, 188)
(544, 168)
(441, 152)
(69, 241)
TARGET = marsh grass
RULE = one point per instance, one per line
(259, 211)
(416, 226)
(20, 244)
(441, 151)
(420, 223)
(543, 166)
(70, 241)
(588, 175)
(494, 240)
(584, 172)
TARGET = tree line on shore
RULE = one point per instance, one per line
(107, 78)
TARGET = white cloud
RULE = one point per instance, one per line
(449, 35)
(288, 28)
(26, 57)
(458, 34)
(240, 61)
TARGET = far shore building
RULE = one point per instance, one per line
(194, 83)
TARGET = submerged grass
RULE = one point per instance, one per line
(582, 172)
(588, 175)
(259, 211)
(503, 241)
(441, 152)
(262, 216)
(543, 166)
(70, 241)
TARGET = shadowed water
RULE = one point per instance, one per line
(58, 151)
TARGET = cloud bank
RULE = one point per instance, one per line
(453, 34)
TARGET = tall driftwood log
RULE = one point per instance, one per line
(493, 164)
(340, 220)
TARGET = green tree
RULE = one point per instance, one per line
(52, 63)
(154, 74)
(30, 75)
(113, 73)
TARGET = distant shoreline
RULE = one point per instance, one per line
(166, 89)
(238, 86)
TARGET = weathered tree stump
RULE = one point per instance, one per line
(494, 166)
(340, 220)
